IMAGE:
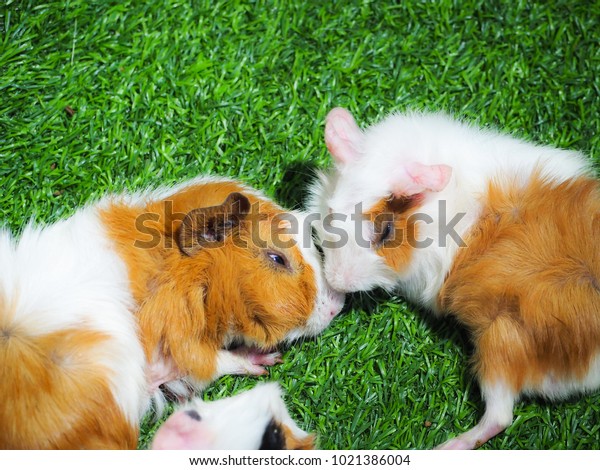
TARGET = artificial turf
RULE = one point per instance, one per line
(98, 96)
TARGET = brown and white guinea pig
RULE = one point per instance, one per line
(253, 420)
(138, 291)
(500, 233)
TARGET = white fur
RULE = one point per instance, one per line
(476, 157)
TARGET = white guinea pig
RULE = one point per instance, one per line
(500, 233)
(253, 420)
(141, 291)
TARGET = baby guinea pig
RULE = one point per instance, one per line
(500, 233)
(253, 420)
(142, 291)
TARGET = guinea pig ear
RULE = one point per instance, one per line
(342, 136)
(415, 178)
(210, 225)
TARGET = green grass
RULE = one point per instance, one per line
(169, 89)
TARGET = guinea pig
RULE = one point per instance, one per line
(253, 420)
(139, 293)
(498, 232)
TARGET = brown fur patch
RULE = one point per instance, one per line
(398, 249)
(526, 284)
(189, 305)
(65, 401)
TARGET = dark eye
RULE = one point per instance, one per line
(277, 258)
(386, 232)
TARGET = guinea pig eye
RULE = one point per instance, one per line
(277, 258)
(386, 232)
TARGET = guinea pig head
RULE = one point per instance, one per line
(262, 277)
(253, 420)
(373, 206)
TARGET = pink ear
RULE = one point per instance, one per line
(342, 135)
(414, 178)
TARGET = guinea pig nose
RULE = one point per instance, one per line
(193, 414)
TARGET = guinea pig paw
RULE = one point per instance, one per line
(265, 359)
(243, 361)
(258, 357)
(255, 370)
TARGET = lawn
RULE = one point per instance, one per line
(100, 96)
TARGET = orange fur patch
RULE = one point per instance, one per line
(527, 284)
(190, 305)
(65, 401)
(297, 443)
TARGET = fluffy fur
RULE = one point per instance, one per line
(100, 310)
(517, 262)
(254, 420)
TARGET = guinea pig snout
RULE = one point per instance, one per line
(183, 430)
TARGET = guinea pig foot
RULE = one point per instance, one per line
(455, 444)
(473, 438)
(243, 361)
(248, 367)
(259, 357)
